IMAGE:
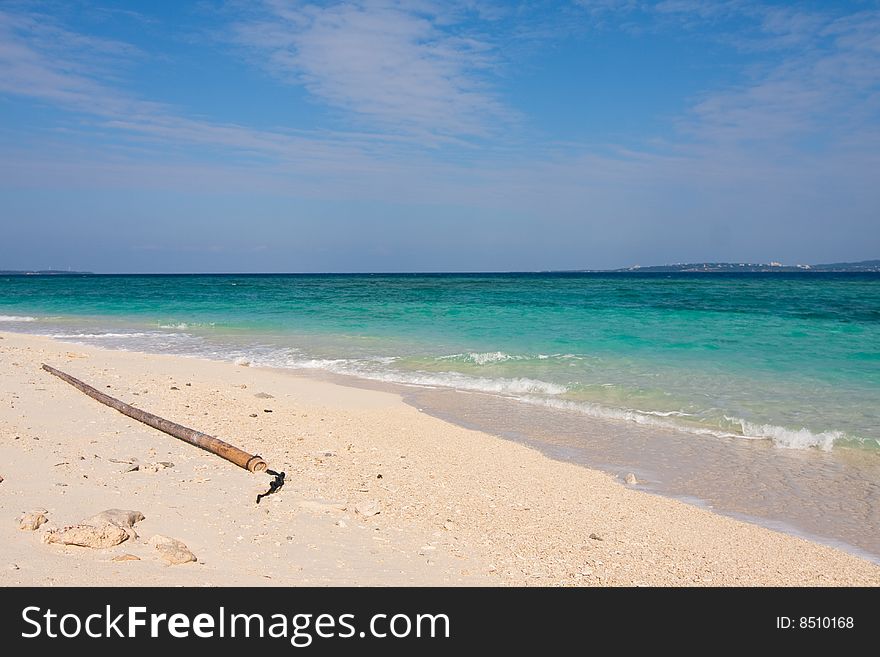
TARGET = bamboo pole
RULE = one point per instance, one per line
(214, 445)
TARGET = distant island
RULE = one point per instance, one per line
(41, 272)
(775, 267)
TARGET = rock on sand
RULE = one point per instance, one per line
(172, 550)
(32, 521)
(122, 518)
(368, 508)
(87, 536)
(106, 529)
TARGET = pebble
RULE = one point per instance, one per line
(596, 537)
(155, 467)
(264, 395)
(267, 410)
(254, 415)
(368, 508)
(12, 566)
(171, 550)
(631, 479)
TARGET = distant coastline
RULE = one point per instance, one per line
(864, 266)
(771, 267)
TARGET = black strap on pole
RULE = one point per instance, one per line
(274, 486)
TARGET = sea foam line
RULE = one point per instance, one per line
(17, 318)
(491, 357)
(779, 436)
(789, 438)
(70, 336)
(520, 385)
(482, 358)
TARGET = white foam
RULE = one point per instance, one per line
(17, 318)
(351, 367)
(489, 357)
(182, 326)
(69, 336)
(779, 436)
(789, 438)
(668, 413)
(515, 386)
(653, 419)
(482, 358)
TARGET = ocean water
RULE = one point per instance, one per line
(791, 359)
(758, 394)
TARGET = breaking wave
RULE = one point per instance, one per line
(94, 336)
(492, 357)
(17, 318)
(791, 439)
(369, 370)
(779, 436)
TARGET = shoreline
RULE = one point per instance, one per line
(805, 503)
(419, 398)
(458, 506)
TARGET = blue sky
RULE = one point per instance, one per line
(374, 135)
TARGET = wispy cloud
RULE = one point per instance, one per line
(404, 67)
(817, 86)
(41, 59)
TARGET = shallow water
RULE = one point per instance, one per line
(758, 394)
(790, 358)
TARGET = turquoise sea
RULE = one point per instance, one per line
(780, 370)
(792, 359)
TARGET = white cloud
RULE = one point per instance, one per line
(820, 85)
(43, 61)
(403, 67)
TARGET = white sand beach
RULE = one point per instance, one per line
(455, 506)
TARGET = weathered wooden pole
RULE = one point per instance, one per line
(214, 445)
